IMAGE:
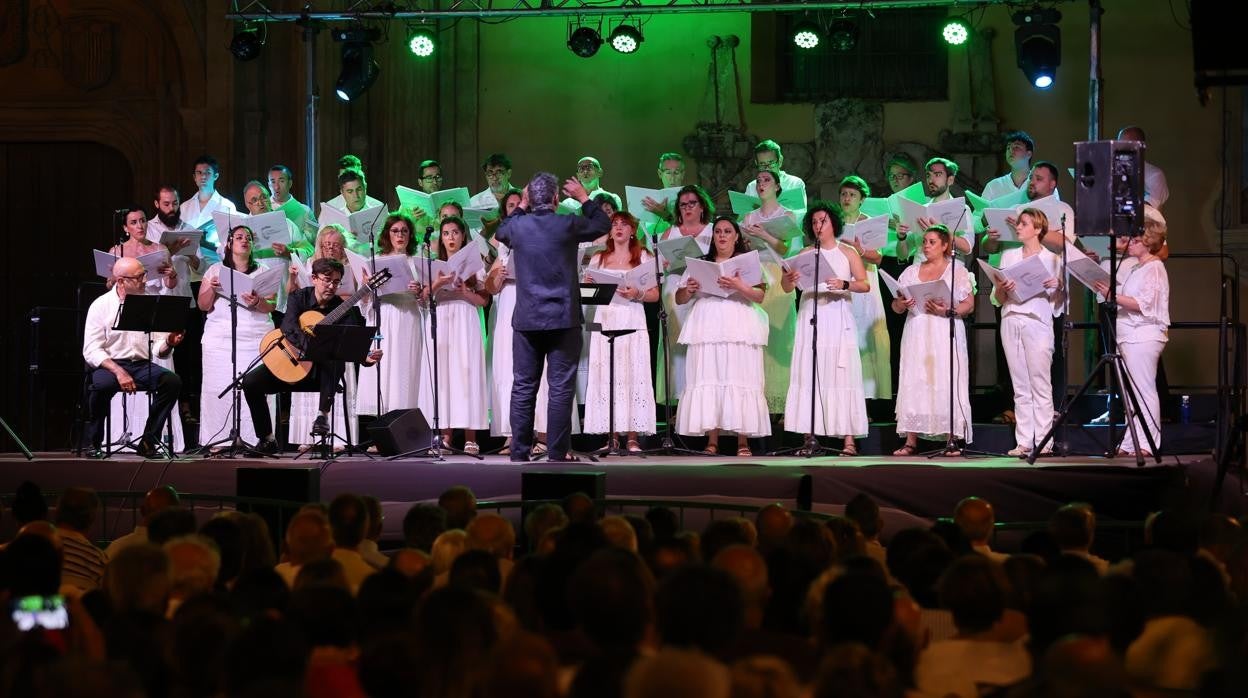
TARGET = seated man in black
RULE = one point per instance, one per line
(325, 376)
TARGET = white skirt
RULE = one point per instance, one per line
(723, 390)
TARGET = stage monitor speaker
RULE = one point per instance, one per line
(400, 431)
(1109, 188)
(296, 485)
(1217, 46)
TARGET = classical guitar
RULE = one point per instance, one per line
(286, 360)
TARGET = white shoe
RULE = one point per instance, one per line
(1102, 419)
(1018, 452)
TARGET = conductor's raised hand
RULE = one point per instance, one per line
(573, 188)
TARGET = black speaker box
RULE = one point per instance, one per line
(400, 431)
(297, 485)
(1109, 188)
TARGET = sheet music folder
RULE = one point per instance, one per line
(144, 313)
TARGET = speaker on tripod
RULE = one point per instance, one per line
(1109, 188)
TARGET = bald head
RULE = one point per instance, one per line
(308, 537)
(774, 522)
(410, 562)
(1131, 133)
(493, 534)
(158, 499)
(975, 517)
(127, 266)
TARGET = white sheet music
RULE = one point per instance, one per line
(806, 263)
(636, 195)
(401, 274)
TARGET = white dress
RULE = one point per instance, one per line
(1142, 335)
(305, 406)
(676, 316)
(634, 391)
(401, 344)
(923, 377)
(216, 415)
(724, 339)
(498, 359)
(463, 401)
(781, 319)
(874, 345)
(840, 406)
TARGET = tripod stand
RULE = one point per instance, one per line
(810, 445)
(1118, 375)
(666, 447)
(436, 447)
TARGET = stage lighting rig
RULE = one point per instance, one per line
(1038, 43)
(359, 68)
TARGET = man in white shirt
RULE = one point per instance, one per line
(169, 219)
(197, 210)
(1041, 184)
(280, 182)
(589, 173)
(120, 361)
(767, 156)
(352, 192)
(1018, 150)
(497, 169)
(671, 174)
(940, 174)
(257, 200)
(348, 517)
(1156, 191)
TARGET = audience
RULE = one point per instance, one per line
(785, 605)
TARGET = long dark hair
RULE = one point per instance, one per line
(387, 247)
(227, 259)
(741, 246)
(463, 230)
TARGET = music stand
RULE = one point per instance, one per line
(612, 447)
(597, 294)
(345, 343)
(145, 313)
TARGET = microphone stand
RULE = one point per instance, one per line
(810, 446)
(237, 446)
(435, 447)
(666, 446)
(1060, 446)
(372, 255)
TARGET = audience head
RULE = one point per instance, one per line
(29, 504)
(680, 672)
(544, 517)
(348, 517)
(411, 562)
(974, 589)
(1072, 527)
(917, 558)
(158, 499)
(524, 666)
(460, 505)
(852, 670)
(720, 534)
(580, 508)
(77, 508)
(422, 524)
(619, 533)
(227, 537)
(326, 572)
(663, 522)
(773, 522)
(446, 548)
(863, 511)
(748, 568)
(763, 676)
(493, 534)
(138, 579)
(30, 565)
(308, 537)
(975, 517)
(476, 569)
(170, 523)
(611, 596)
(194, 564)
(701, 607)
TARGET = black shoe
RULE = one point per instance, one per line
(96, 453)
(320, 427)
(148, 450)
(268, 447)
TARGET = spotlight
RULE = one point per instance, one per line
(1038, 43)
(584, 41)
(359, 69)
(626, 38)
(956, 32)
(842, 35)
(806, 35)
(421, 42)
(247, 43)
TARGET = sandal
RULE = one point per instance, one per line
(539, 449)
(711, 450)
(633, 446)
(849, 450)
(906, 450)
(471, 448)
(744, 452)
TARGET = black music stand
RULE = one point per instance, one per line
(151, 313)
(346, 343)
(612, 447)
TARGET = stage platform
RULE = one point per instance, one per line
(911, 491)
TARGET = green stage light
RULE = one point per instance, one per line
(956, 32)
(843, 35)
(626, 38)
(421, 43)
(806, 35)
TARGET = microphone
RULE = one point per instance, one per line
(428, 233)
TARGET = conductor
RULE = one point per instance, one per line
(548, 320)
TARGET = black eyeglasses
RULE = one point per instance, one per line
(431, 178)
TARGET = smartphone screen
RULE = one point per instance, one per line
(47, 612)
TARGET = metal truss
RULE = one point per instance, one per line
(515, 9)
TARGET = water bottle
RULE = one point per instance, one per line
(1185, 409)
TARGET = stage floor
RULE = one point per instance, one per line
(910, 491)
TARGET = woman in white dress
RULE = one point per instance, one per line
(399, 326)
(1027, 333)
(634, 391)
(216, 414)
(777, 303)
(1143, 327)
(694, 212)
(840, 406)
(724, 338)
(874, 346)
(462, 399)
(331, 242)
(923, 383)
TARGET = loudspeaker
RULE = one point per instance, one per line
(557, 485)
(400, 431)
(1109, 188)
(295, 485)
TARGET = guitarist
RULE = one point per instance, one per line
(321, 296)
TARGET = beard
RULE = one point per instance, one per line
(170, 220)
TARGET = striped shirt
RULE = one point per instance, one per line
(82, 563)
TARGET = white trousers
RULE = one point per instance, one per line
(1141, 361)
(1028, 345)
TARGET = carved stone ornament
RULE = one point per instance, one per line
(88, 50)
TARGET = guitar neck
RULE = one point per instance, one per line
(336, 314)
